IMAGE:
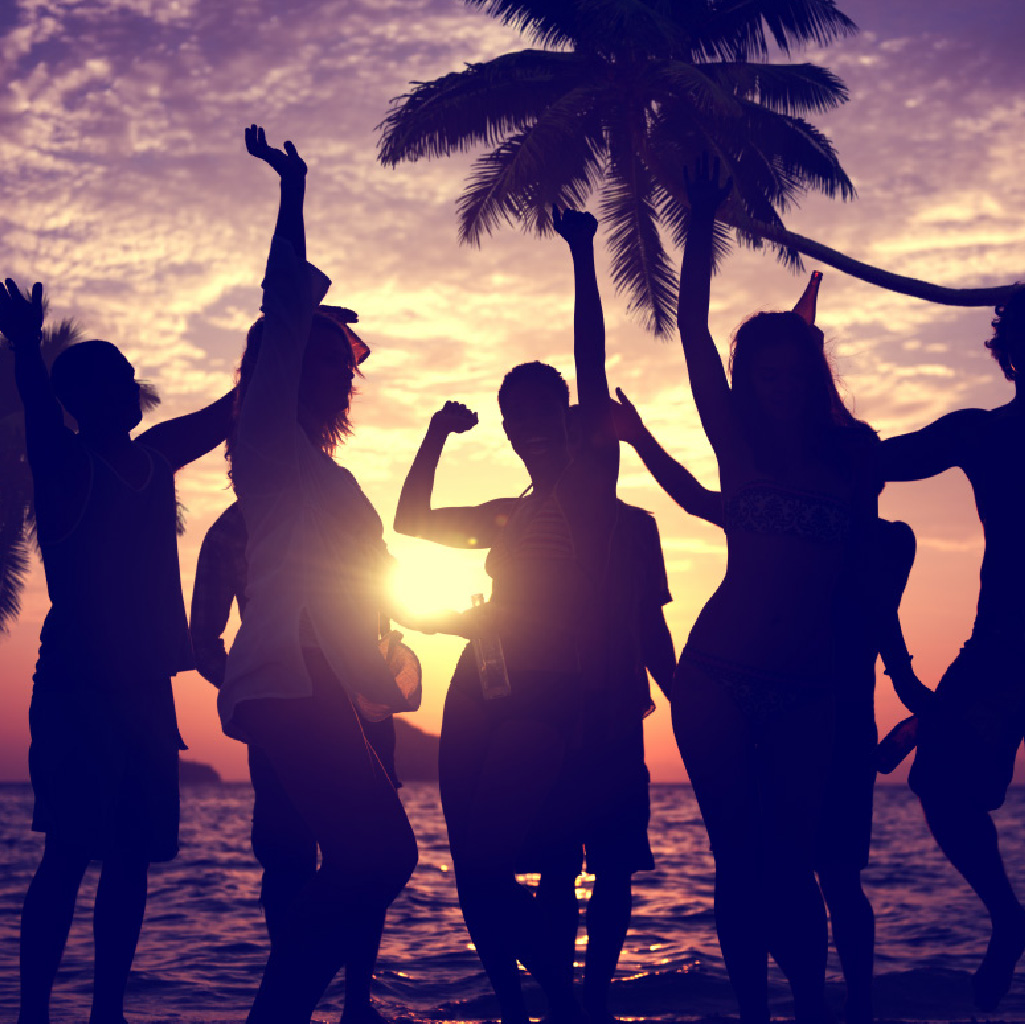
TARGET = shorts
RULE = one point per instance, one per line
(104, 766)
(844, 832)
(597, 813)
(969, 736)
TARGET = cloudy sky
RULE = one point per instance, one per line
(125, 188)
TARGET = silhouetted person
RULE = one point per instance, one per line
(283, 843)
(603, 796)
(968, 736)
(307, 646)
(753, 700)
(104, 753)
(866, 624)
(500, 758)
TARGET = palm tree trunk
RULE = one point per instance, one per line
(994, 295)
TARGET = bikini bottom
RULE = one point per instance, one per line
(760, 695)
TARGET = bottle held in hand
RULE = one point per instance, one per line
(494, 676)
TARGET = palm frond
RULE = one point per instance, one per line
(149, 397)
(482, 104)
(680, 81)
(802, 157)
(556, 159)
(741, 29)
(640, 266)
(546, 22)
(181, 511)
(617, 28)
(783, 88)
(57, 339)
(15, 496)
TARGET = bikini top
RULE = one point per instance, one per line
(773, 510)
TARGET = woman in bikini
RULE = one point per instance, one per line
(501, 759)
(753, 703)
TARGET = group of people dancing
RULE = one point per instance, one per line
(771, 697)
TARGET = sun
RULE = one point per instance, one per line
(428, 579)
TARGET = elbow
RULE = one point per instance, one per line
(406, 523)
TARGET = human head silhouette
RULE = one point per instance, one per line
(1008, 342)
(780, 374)
(326, 386)
(534, 402)
(96, 384)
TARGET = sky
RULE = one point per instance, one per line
(126, 189)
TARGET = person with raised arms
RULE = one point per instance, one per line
(104, 754)
(753, 696)
(501, 758)
(307, 649)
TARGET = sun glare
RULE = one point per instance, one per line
(428, 579)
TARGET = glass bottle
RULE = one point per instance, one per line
(494, 676)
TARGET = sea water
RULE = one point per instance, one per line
(203, 942)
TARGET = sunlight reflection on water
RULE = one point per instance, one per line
(203, 942)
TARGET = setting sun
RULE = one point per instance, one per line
(428, 579)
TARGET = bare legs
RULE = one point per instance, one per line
(967, 836)
(759, 793)
(46, 921)
(608, 920)
(853, 925)
(336, 783)
(494, 777)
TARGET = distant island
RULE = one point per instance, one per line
(416, 752)
(196, 773)
(416, 759)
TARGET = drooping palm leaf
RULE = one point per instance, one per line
(481, 104)
(794, 89)
(515, 181)
(640, 265)
(742, 29)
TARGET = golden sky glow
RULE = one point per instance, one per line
(125, 188)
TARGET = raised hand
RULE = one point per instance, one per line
(21, 319)
(286, 162)
(578, 227)
(705, 190)
(627, 420)
(453, 418)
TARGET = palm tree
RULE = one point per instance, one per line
(622, 96)
(17, 513)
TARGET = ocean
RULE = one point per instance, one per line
(203, 943)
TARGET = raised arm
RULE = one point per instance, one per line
(469, 527)
(267, 425)
(704, 367)
(291, 169)
(578, 230)
(674, 479)
(185, 438)
(59, 466)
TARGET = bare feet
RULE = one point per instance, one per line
(996, 972)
